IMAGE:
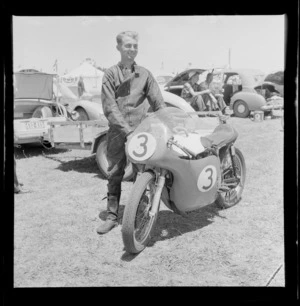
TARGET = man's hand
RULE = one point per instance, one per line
(219, 95)
(128, 136)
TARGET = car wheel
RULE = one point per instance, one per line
(83, 116)
(42, 112)
(241, 109)
(101, 159)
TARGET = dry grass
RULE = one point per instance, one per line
(55, 242)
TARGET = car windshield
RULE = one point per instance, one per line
(33, 86)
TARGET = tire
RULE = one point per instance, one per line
(241, 109)
(42, 112)
(83, 115)
(101, 159)
(231, 198)
(135, 239)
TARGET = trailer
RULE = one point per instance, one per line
(84, 135)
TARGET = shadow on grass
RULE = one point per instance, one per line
(82, 165)
(170, 224)
(31, 150)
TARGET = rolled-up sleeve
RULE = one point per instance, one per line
(110, 106)
(153, 93)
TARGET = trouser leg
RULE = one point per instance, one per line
(221, 103)
(16, 182)
(198, 103)
(116, 157)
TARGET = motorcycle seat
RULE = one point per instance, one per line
(223, 134)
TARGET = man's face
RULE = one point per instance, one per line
(128, 48)
(195, 78)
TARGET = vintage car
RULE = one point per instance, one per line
(84, 106)
(175, 85)
(35, 104)
(245, 91)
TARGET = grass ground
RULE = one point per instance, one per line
(56, 244)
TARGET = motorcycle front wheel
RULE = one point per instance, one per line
(233, 195)
(137, 224)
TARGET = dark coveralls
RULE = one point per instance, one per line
(125, 106)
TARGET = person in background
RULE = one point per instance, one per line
(81, 88)
(18, 187)
(190, 94)
(125, 87)
(213, 101)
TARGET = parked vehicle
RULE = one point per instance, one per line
(241, 88)
(181, 165)
(37, 101)
(276, 79)
(243, 91)
(34, 106)
(85, 107)
(175, 85)
(91, 135)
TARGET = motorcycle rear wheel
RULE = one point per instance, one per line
(137, 224)
(232, 197)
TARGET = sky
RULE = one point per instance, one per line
(169, 43)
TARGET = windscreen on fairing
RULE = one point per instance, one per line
(173, 118)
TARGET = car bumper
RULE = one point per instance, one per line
(32, 130)
(271, 107)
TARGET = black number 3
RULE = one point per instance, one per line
(142, 144)
(210, 178)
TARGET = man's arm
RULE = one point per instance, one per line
(203, 90)
(110, 107)
(153, 94)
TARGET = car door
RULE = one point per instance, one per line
(232, 84)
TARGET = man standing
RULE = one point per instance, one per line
(81, 88)
(125, 87)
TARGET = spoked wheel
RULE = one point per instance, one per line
(233, 179)
(137, 223)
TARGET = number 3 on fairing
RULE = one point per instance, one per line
(207, 178)
(141, 146)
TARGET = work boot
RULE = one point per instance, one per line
(19, 189)
(107, 226)
(112, 214)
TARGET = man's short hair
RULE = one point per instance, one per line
(131, 34)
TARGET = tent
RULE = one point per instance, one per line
(92, 78)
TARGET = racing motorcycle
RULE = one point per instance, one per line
(182, 165)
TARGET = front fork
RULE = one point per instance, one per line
(229, 183)
(160, 183)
